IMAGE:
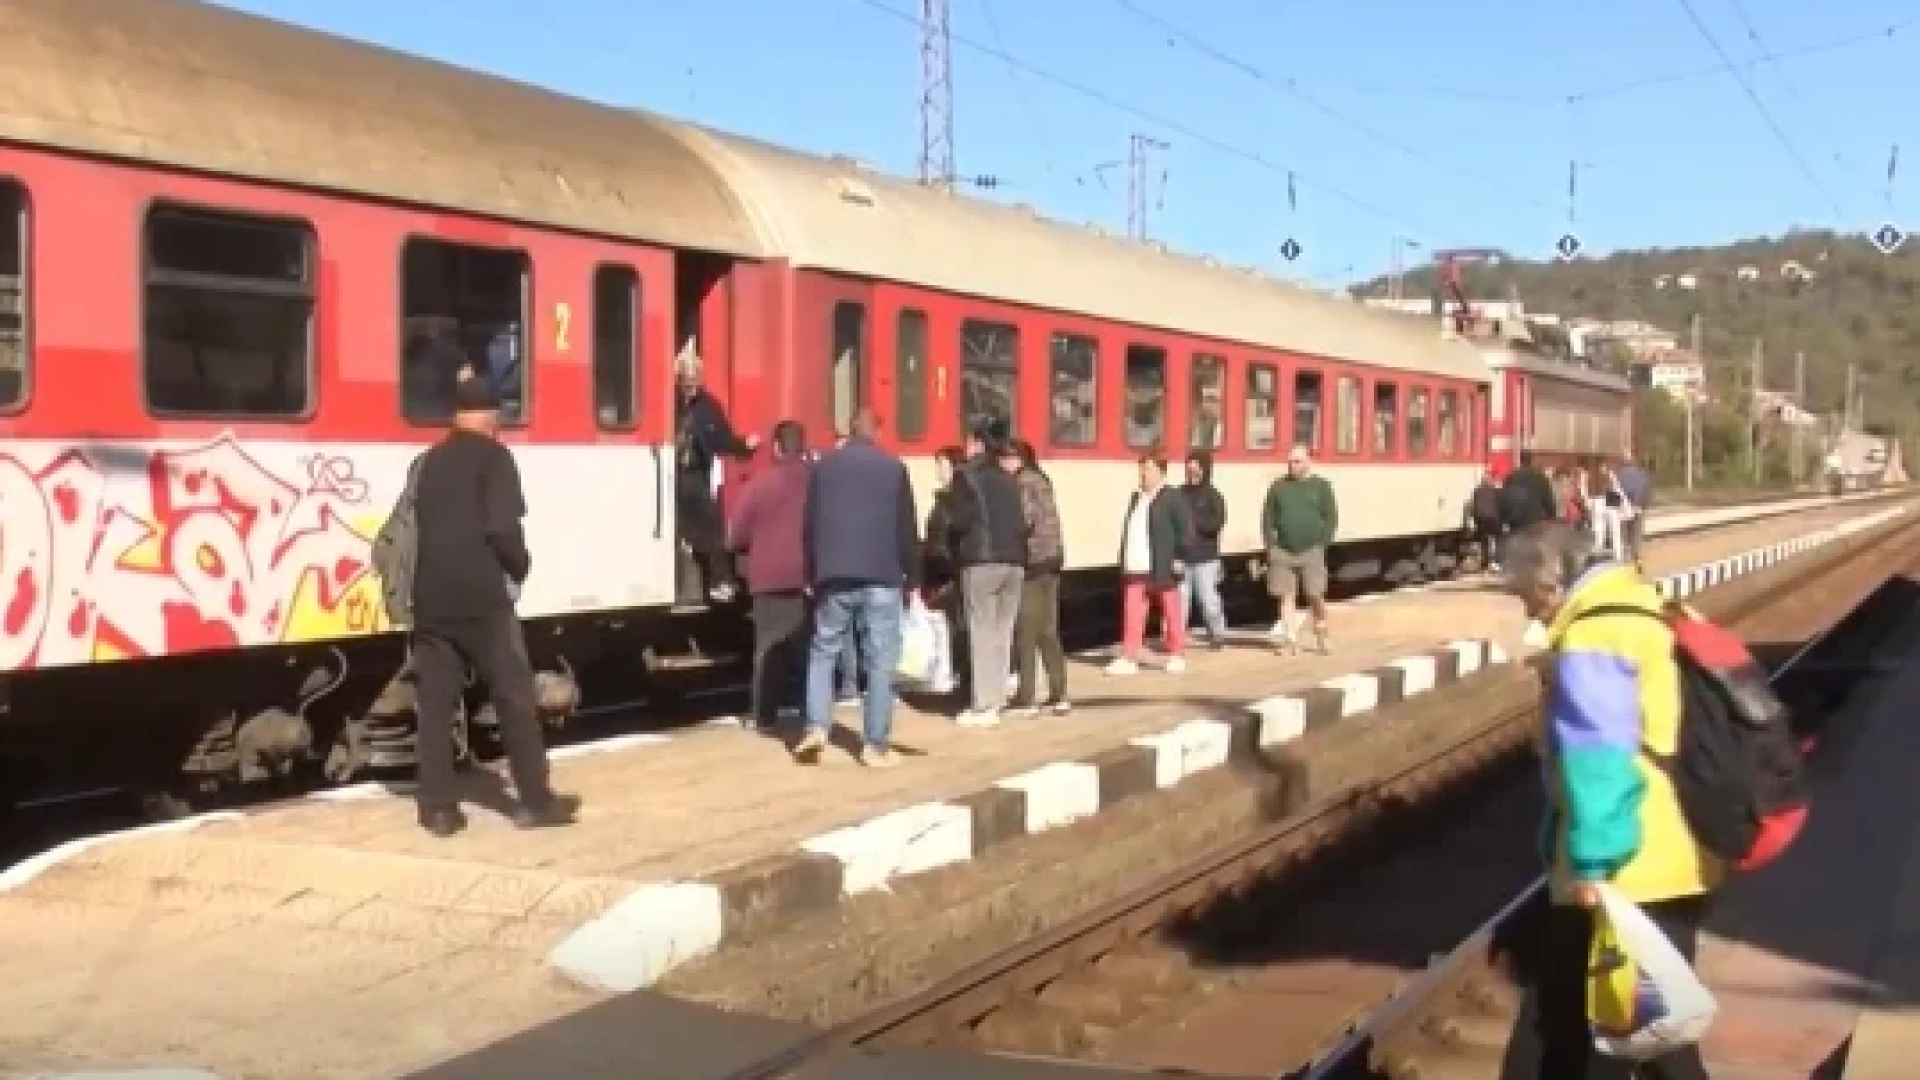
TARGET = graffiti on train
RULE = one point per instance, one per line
(130, 552)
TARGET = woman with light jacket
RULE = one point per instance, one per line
(1157, 528)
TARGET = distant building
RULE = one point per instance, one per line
(1679, 373)
(1781, 409)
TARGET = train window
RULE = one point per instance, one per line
(229, 315)
(910, 374)
(1417, 423)
(462, 306)
(1263, 404)
(15, 372)
(989, 373)
(1386, 418)
(1346, 416)
(1207, 402)
(1308, 388)
(1073, 404)
(616, 323)
(849, 363)
(1146, 397)
(1449, 423)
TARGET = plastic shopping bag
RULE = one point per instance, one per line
(917, 645)
(1643, 998)
(940, 677)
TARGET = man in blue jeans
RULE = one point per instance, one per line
(861, 543)
(1202, 549)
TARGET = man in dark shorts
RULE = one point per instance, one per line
(1298, 523)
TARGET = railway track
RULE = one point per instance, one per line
(1354, 939)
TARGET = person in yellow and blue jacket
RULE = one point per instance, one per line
(1613, 815)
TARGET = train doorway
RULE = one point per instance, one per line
(703, 344)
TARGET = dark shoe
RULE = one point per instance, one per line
(558, 810)
(443, 823)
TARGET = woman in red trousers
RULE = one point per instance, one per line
(1157, 528)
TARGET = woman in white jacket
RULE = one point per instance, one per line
(1606, 505)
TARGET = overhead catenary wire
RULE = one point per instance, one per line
(1766, 114)
(1831, 145)
(1185, 131)
(1017, 82)
(1291, 88)
(1601, 92)
(1648, 82)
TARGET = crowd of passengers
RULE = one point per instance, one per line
(1606, 500)
(835, 555)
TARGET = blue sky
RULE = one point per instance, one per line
(1444, 124)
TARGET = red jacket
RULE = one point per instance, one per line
(767, 527)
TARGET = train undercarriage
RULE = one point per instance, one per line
(183, 734)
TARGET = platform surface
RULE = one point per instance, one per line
(1794, 951)
(336, 940)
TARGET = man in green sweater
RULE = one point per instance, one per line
(1298, 523)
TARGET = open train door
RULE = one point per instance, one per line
(703, 330)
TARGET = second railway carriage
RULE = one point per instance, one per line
(935, 309)
(1564, 413)
(223, 240)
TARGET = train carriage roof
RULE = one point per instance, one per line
(195, 86)
(832, 214)
(205, 88)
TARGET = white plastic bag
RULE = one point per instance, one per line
(926, 649)
(1643, 999)
(940, 678)
(917, 645)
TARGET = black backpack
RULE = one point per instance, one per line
(1486, 503)
(1737, 768)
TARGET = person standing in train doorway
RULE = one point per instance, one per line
(471, 559)
(989, 549)
(702, 437)
(1298, 522)
(1201, 584)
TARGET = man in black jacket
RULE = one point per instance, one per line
(471, 561)
(987, 529)
(702, 436)
(1208, 510)
(1526, 498)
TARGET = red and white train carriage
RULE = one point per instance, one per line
(229, 235)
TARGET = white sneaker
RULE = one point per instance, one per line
(1176, 665)
(983, 718)
(1279, 629)
(1061, 707)
(1123, 666)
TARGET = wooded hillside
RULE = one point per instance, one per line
(1833, 297)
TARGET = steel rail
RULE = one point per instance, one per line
(1349, 1057)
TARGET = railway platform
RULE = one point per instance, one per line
(1816, 959)
(392, 949)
